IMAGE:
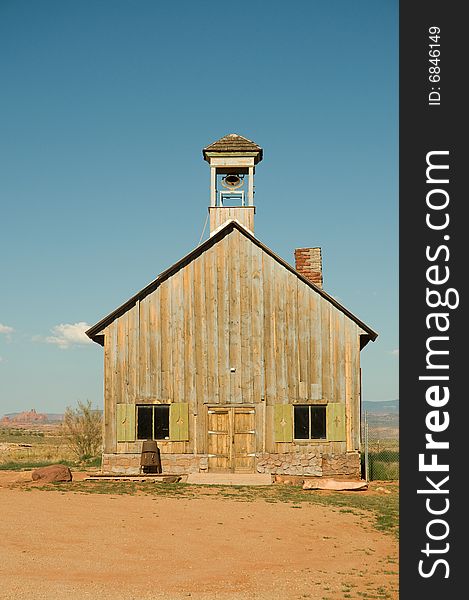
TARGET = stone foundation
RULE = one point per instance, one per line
(311, 462)
(176, 464)
(307, 463)
(340, 466)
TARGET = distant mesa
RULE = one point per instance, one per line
(382, 418)
(385, 407)
(29, 417)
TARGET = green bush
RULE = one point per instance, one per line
(386, 455)
(93, 462)
(383, 467)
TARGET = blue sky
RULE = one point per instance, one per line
(105, 107)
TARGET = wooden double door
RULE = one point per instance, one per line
(231, 439)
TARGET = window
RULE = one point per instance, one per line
(309, 422)
(153, 421)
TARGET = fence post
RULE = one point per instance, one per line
(367, 473)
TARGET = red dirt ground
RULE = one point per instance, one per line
(61, 544)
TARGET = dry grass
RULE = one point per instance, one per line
(23, 448)
(384, 507)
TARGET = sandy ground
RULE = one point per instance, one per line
(70, 545)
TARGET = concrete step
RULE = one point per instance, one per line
(230, 478)
(140, 478)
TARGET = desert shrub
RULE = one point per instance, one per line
(82, 428)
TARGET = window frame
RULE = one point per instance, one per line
(311, 439)
(154, 407)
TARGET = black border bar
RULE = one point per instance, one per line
(434, 240)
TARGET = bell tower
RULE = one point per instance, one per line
(232, 161)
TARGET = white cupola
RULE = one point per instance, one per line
(232, 161)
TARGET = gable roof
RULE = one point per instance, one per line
(95, 332)
(233, 143)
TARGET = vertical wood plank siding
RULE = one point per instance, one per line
(232, 326)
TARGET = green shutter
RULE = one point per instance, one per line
(283, 422)
(179, 421)
(125, 422)
(335, 418)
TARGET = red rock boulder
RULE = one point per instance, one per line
(52, 473)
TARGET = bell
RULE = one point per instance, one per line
(232, 181)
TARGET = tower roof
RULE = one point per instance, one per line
(233, 143)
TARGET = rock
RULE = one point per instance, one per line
(52, 473)
(169, 479)
(288, 479)
(330, 484)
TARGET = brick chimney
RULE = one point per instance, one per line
(308, 262)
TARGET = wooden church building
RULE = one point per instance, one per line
(232, 359)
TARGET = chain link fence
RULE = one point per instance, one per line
(380, 448)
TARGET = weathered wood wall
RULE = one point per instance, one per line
(221, 214)
(233, 307)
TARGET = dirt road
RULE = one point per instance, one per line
(57, 544)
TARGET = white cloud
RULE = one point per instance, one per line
(66, 335)
(395, 352)
(6, 329)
